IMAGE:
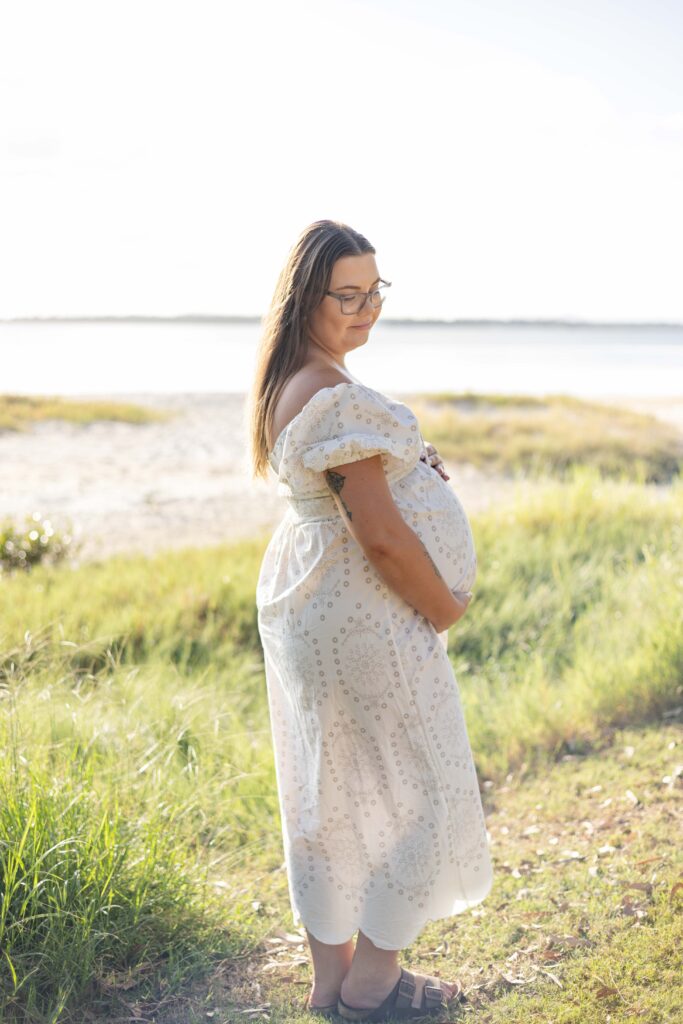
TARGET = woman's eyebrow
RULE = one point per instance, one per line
(357, 287)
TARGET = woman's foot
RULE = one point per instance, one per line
(365, 992)
(330, 965)
(323, 996)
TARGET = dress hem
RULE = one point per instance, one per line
(463, 904)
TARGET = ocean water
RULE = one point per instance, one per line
(91, 358)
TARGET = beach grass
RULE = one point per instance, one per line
(520, 436)
(140, 823)
(20, 412)
(526, 436)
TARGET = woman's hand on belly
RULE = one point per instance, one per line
(400, 556)
(433, 459)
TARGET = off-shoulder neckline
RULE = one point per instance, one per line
(332, 387)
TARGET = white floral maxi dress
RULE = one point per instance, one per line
(382, 821)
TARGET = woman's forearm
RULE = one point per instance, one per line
(404, 563)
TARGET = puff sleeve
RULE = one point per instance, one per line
(343, 424)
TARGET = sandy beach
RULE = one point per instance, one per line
(139, 488)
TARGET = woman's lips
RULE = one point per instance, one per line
(362, 327)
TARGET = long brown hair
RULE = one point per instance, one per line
(283, 344)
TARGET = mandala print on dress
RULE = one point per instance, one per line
(357, 766)
(415, 763)
(346, 854)
(411, 855)
(301, 863)
(449, 726)
(307, 813)
(366, 655)
(455, 540)
(467, 837)
(323, 583)
(298, 673)
(302, 794)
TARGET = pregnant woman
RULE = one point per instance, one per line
(382, 822)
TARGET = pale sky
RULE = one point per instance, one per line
(506, 158)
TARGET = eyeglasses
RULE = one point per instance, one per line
(351, 304)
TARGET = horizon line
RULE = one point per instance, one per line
(397, 321)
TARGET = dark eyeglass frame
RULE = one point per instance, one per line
(357, 295)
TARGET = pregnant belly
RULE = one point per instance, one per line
(430, 506)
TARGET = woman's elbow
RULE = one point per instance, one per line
(384, 540)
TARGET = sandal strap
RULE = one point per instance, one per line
(433, 994)
(406, 989)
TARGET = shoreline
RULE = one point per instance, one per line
(131, 488)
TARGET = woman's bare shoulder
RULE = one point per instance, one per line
(299, 390)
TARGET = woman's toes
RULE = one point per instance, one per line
(451, 988)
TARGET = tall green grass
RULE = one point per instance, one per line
(115, 815)
(137, 772)
(87, 890)
(577, 622)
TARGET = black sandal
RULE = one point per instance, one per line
(399, 1001)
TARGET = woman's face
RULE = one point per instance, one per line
(336, 332)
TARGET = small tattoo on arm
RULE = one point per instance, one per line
(434, 565)
(335, 482)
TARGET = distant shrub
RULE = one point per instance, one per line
(22, 547)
